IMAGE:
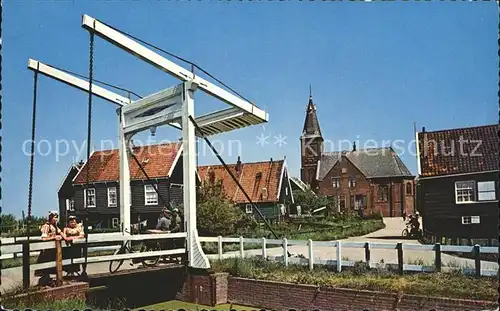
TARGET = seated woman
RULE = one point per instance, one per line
(49, 231)
(71, 232)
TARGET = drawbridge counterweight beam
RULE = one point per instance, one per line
(212, 123)
(253, 114)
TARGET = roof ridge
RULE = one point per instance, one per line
(245, 163)
(461, 128)
(142, 146)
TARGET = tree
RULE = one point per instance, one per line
(216, 214)
(8, 222)
(309, 201)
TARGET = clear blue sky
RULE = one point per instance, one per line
(375, 68)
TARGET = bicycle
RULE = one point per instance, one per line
(127, 248)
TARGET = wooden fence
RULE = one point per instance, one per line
(11, 248)
(365, 247)
(24, 248)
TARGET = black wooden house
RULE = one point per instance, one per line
(457, 186)
(163, 165)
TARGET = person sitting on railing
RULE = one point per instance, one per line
(72, 232)
(49, 231)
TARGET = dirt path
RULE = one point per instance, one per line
(390, 234)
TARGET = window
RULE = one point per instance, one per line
(467, 220)
(248, 208)
(89, 197)
(383, 192)
(112, 199)
(352, 182)
(286, 191)
(336, 182)
(351, 202)
(408, 189)
(150, 195)
(342, 203)
(464, 191)
(70, 204)
(179, 186)
(115, 222)
(486, 191)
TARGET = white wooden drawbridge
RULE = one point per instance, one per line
(172, 106)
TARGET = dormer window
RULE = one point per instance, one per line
(352, 182)
(335, 182)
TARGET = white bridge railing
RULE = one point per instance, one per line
(476, 251)
(20, 248)
(24, 249)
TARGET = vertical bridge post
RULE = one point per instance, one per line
(26, 264)
(196, 257)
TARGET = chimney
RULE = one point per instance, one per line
(81, 163)
(423, 129)
(354, 146)
(238, 166)
(211, 176)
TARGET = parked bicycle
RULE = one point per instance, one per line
(141, 247)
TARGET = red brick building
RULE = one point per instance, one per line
(369, 181)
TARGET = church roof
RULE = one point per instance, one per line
(311, 124)
(374, 162)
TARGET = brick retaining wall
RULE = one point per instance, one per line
(73, 291)
(219, 289)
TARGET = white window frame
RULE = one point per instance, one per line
(486, 191)
(248, 209)
(352, 182)
(113, 225)
(471, 188)
(85, 197)
(471, 220)
(174, 185)
(70, 205)
(286, 191)
(109, 197)
(152, 190)
(336, 182)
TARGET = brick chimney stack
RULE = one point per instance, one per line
(354, 146)
(238, 166)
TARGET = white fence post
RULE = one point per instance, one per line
(264, 250)
(219, 247)
(242, 249)
(311, 255)
(285, 251)
(339, 257)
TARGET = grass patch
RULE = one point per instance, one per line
(452, 285)
(180, 305)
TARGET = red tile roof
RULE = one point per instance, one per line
(270, 174)
(155, 159)
(458, 151)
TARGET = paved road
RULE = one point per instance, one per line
(390, 234)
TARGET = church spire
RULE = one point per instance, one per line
(311, 124)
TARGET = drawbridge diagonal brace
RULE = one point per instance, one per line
(235, 180)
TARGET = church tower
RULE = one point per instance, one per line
(311, 142)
